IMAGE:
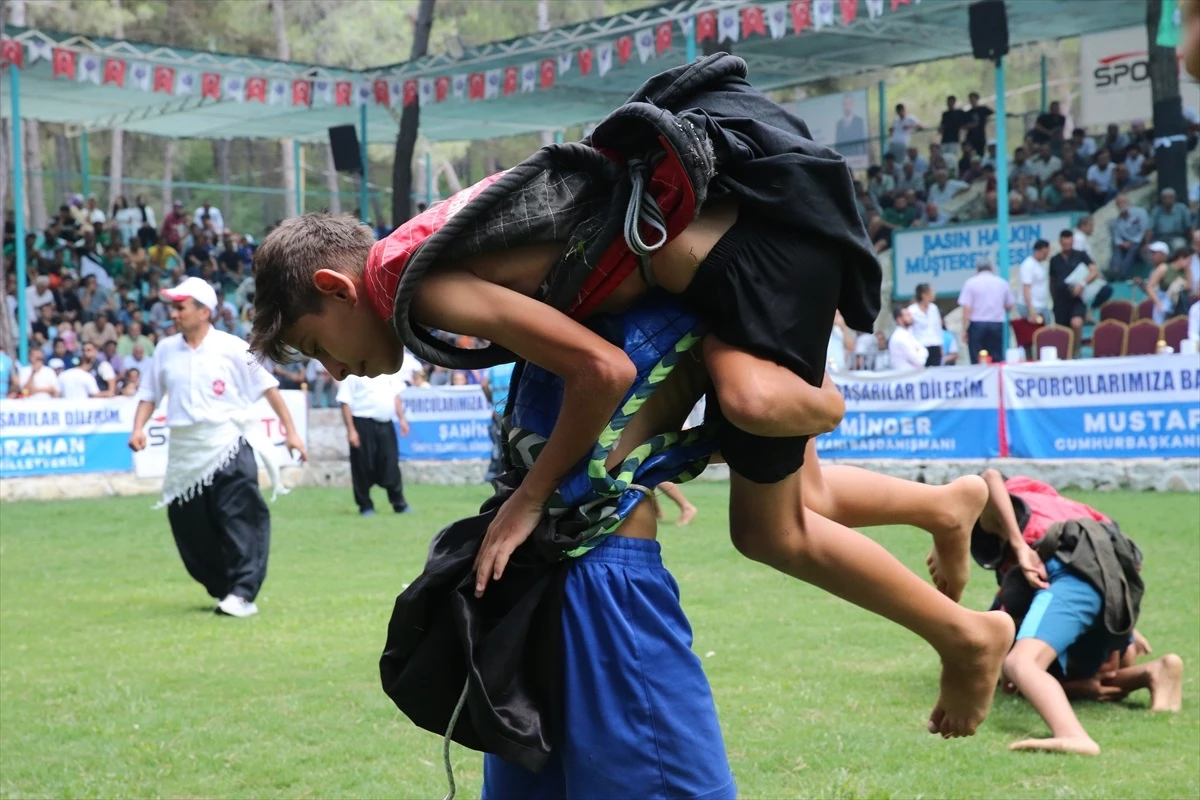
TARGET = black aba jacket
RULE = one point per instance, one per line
(505, 646)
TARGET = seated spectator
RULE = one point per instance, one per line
(1026, 188)
(163, 257)
(98, 331)
(1070, 199)
(38, 295)
(1122, 182)
(108, 353)
(901, 215)
(1020, 164)
(132, 339)
(128, 385)
(904, 351)
(1018, 205)
(290, 376)
(1130, 233)
(891, 166)
(38, 378)
(964, 162)
(67, 332)
(949, 349)
(989, 158)
(138, 360)
(95, 299)
(1171, 221)
(1044, 163)
(974, 173)
(1101, 180)
(58, 349)
(931, 217)
(1081, 239)
(944, 190)
(1114, 142)
(43, 328)
(1083, 146)
(910, 179)
(879, 183)
(919, 162)
(1135, 162)
(1073, 167)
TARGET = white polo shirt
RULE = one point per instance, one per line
(1036, 276)
(78, 384)
(371, 398)
(927, 325)
(207, 384)
(905, 351)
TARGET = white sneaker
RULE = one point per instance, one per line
(234, 606)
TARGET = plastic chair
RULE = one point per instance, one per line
(1110, 339)
(1121, 310)
(1144, 336)
(1057, 336)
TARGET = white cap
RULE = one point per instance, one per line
(1160, 247)
(56, 363)
(193, 289)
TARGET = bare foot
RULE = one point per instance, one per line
(969, 676)
(1083, 745)
(686, 514)
(1166, 683)
(950, 560)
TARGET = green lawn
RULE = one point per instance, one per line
(116, 680)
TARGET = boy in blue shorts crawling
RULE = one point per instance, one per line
(1076, 593)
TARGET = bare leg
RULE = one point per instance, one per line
(769, 524)
(1162, 676)
(1026, 667)
(858, 498)
(687, 511)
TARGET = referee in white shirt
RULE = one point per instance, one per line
(369, 407)
(220, 522)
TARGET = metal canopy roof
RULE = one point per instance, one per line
(910, 34)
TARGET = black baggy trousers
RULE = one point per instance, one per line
(376, 462)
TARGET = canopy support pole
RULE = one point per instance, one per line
(18, 148)
(363, 188)
(882, 120)
(298, 161)
(87, 165)
(428, 178)
(1002, 269)
(559, 136)
(1045, 88)
(689, 39)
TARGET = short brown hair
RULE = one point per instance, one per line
(284, 265)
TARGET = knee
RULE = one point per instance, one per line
(779, 548)
(745, 404)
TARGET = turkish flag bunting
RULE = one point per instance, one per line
(12, 52)
(624, 45)
(114, 72)
(164, 80)
(801, 15)
(547, 73)
(662, 38)
(256, 89)
(897, 3)
(475, 86)
(64, 63)
(343, 93)
(706, 26)
(585, 61)
(410, 91)
(301, 93)
(510, 80)
(210, 85)
(849, 11)
(441, 87)
(753, 22)
(380, 91)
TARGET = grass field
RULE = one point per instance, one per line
(116, 680)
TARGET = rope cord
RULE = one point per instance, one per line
(462, 701)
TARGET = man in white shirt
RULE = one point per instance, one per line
(1035, 282)
(93, 213)
(83, 381)
(903, 127)
(37, 378)
(138, 360)
(943, 189)
(220, 522)
(904, 350)
(1083, 231)
(214, 216)
(38, 295)
(369, 406)
(926, 324)
(985, 300)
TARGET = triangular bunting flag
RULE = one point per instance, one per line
(491, 83)
(11, 52)
(874, 9)
(822, 14)
(441, 87)
(801, 15)
(564, 62)
(706, 26)
(752, 21)
(459, 86)
(322, 91)
(662, 38)
(234, 88)
(363, 94)
(114, 72)
(476, 86)
(277, 92)
(186, 82)
(343, 93)
(301, 93)
(425, 91)
(604, 58)
(849, 11)
(546, 73)
(528, 77)
(256, 89)
(585, 61)
(727, 20)
(89, 69)
(40, 51)
(624, 46)
(210, 85)
(644, 39)
(511, 78)
(409, 92)
(164, 79)
(776, 15)
(64, 63)
(382, 93)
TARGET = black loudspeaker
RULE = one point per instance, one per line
(343, 141)
(989, 29)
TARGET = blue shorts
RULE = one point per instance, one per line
(639, 717)
(1067, 617)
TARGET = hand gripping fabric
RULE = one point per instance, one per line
(502, 652)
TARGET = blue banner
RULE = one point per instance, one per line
(941, 413)
(61, 437)
(1132, 407)
(446, 423)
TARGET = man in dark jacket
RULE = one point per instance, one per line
(1076, 596)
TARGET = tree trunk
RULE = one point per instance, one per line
(331, 183)
(1170, 136)
(410, 121)
(36, 219)
(62, 167)
(116, 172)
(452, 181)
(283, 52)
(222, 147)
(168, 189)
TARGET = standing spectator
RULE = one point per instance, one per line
(1049, 126)
(1169, 284)
(38, 378)
(944, 189)
(977, 122)
(322, 388)
(1081, 239)
(851, 133)
(954, 120)
(926, 324)
(1171, 221)
(495, 388)
(127, 219)
(1045, 163)
(174, 228)
(841, 344)
(93, 213)
(213, 213)
(79, 382)
(1035, 282)
(147, 227)
(1069, 308)
(904, 351)
(985, 299)
(290, 376)
(219, 519)
(903, 127)
(1130, 233)
(369, 406)
(1100, 179)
